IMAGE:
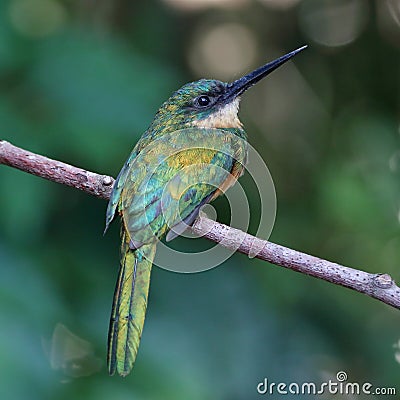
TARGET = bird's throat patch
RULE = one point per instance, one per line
(223, 117)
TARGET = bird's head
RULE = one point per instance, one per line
(210, 103)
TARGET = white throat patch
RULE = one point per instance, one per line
(224, 117)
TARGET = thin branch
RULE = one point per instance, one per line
(56, 171)
(378, 286)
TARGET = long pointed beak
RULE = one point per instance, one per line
(239, 86)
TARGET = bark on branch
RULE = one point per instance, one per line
(378, 286)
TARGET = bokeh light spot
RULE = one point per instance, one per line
(333, 23)
(223, 51)
(280, 4)
(394, 9)
(394, 161)
(388, 20)
(37, 18)
(194, 5)
(397, 352)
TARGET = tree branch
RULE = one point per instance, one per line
(377, 286)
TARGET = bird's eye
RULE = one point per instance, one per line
(202, 101)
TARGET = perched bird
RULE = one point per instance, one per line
(192, 152)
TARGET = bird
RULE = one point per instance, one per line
(192, 152)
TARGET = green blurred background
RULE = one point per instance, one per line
(81, 80)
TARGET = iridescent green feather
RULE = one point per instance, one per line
(179, 183)
(171, 172)
(129, 307)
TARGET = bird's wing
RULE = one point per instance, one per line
(174, 176)
(117, 189)
(121, 179)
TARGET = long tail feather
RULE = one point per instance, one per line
(129, 307)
